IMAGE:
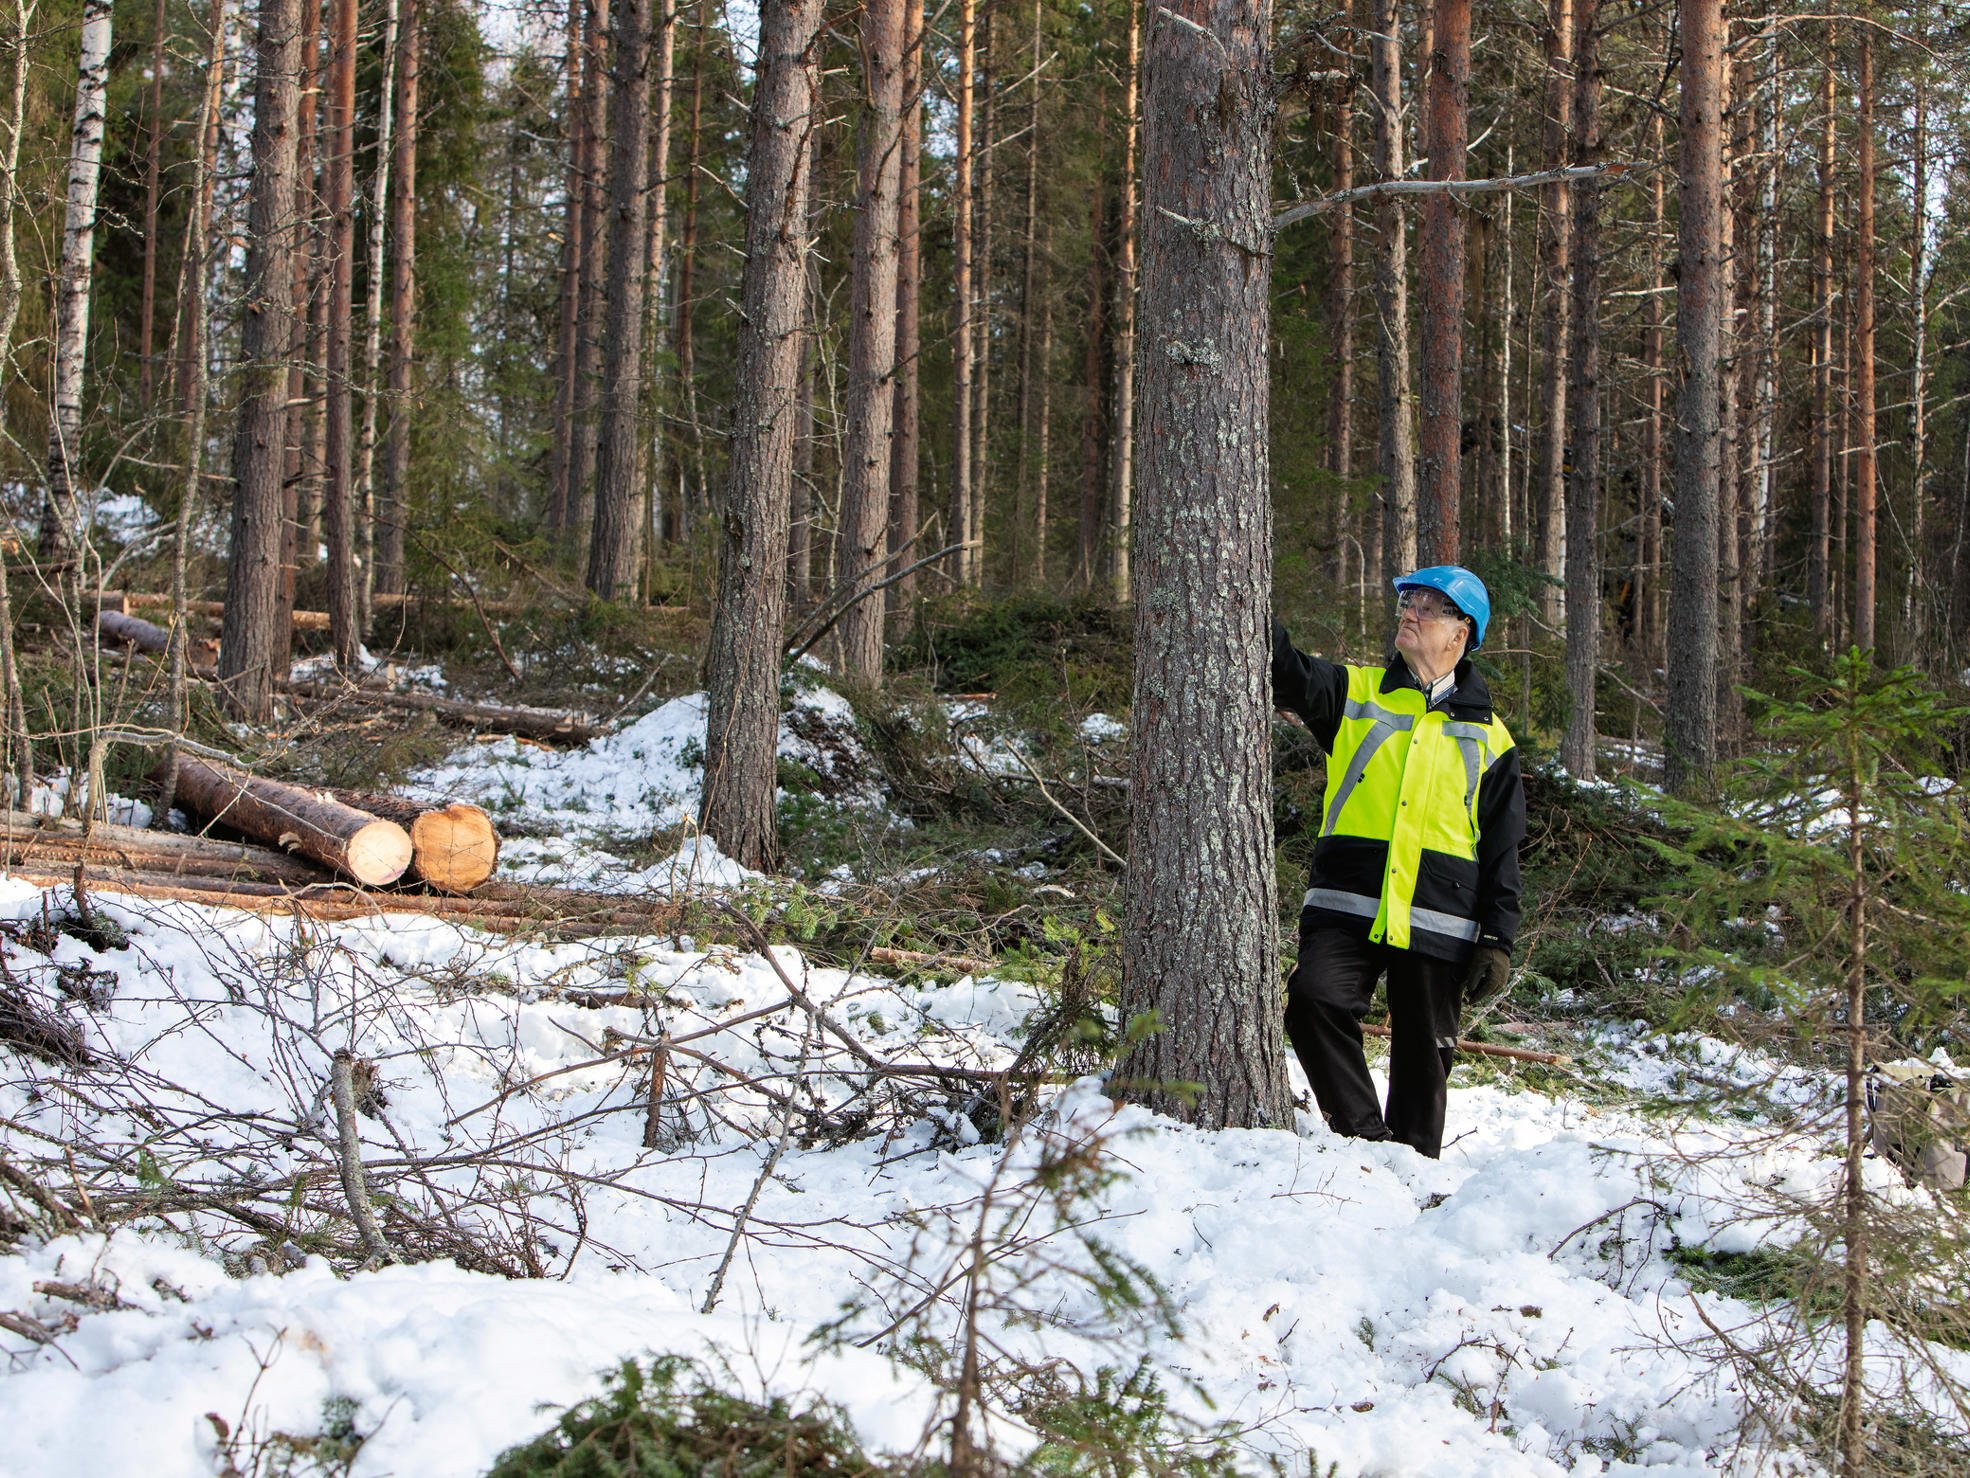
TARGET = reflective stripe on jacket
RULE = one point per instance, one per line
(1424, 810)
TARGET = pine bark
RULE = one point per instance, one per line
(1340, 326)
(1395, 452)
(614, 549)
(1440, 241)
(742, 717)
(339, 474)
(1865, 462)
(1093, 411)
(379, 217)
(1819, 588)
(1583, 571)
(906, 445)
(1649, 578)
(392, 513)
(246, 652)
(1029, 518)
(962, 528)
(594, 263)
(1690, 716)
(73, 285)
(1555, 257)
(574, 220)
(1200, 950)
(871, 405)
(685, 474)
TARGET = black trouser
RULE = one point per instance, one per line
(1326, 998)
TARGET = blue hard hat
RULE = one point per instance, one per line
(1461, 587)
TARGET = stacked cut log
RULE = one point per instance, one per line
(314, 823)
(454, 847)
(120, 629)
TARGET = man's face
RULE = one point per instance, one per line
(1430, 631)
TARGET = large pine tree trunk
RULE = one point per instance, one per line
(906, 445)
(77, 274)
(1440, 243)
(339, 159)
(1690, 716)
(1583, 565)
(1864, 453)
(393, 490)
(871, 405)
(1121, 423)
(1200, 827)
(1555, 255)
(1395, 453)
(742, 718)
(246, 652)
(618, 494)
(1819, 586)
(1730, 437)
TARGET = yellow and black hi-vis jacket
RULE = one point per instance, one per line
(1424, 811)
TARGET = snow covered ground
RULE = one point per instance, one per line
(1513, 1308)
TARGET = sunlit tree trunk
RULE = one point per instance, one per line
(1121, 423)
(339, 160)
(961, 337)
(1555, 304)
(1583, 564)
(393, 491)
(1864, 452)
(1395, 454)
(1440, 248)
(1819, 584)
(906, 445)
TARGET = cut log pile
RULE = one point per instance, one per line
(314, 823)
(454, 847)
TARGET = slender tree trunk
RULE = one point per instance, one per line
(1043, 471)
(1088, 545)
(800, 533)
(742, 722)
(1649, 575)
(1690, 716)
(393, 492)
(1030, 560)
(651, 516)
(1819, 584)
(1843, 485)
(379, 215)
(1854, 1454)
(1764, 390)
(981, 313)
(1395, 448)
(1583, 564)
(1864, 453)
(1915, 601)
(614, 551)
(74, 283)
(686, 453)
(1730, 428)
(871, 339)
(246, 655)
(301, 487)
(19, 757)
(594, 248)
(1340, 320)
(1121, 424)
(906, 446)
(340, 162)
(1555, 256)
(967, 565)
(574, 220)
(1440, 241)
(1201, 824)
(153, 185)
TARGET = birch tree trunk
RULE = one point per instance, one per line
(1555, 255)
(1395, 451)
(1121, 424)
(871, 340)
(1440, 239)
(743, 710)
(72, 285)
(1690, 716)
(1200, 950)
(618, 495)
(246, 653)
(1583, 565)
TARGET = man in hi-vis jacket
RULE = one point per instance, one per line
(1416, 872)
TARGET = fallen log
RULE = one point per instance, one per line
(37, 841)
(116, 628)
(157, 600)
(1489, 1049)
(454, 847)
(962, 964)
(313, 823)
(529, 723)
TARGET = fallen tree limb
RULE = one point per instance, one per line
(313, 823)
(963, 964)
(1490, 1049)
(528, 723)
(117, 629)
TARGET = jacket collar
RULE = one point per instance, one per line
(1470, 700)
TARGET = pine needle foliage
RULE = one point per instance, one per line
(667, 1419)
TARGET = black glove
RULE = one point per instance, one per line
(1489, 972)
